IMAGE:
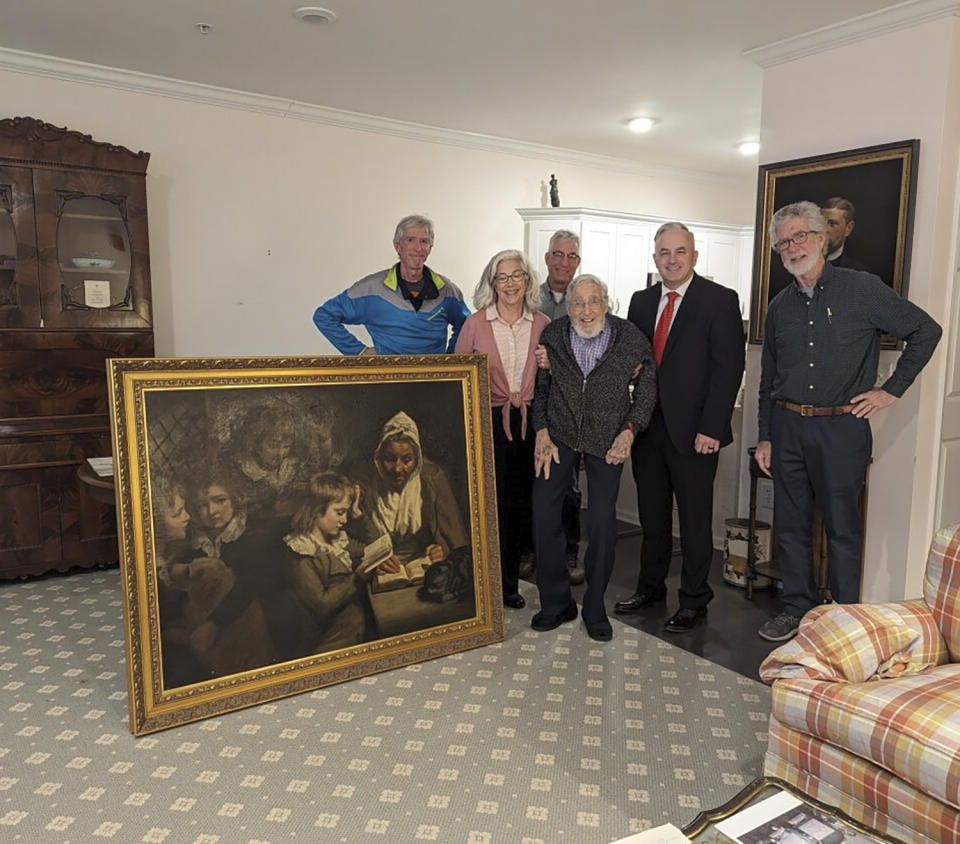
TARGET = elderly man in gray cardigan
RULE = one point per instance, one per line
(599, 390)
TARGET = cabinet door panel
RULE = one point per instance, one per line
(19, 285)
(88, 528)
(29, 521)
(92, 242)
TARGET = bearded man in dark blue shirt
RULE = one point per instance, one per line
(818, 373)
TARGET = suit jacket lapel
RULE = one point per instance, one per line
(648, 315)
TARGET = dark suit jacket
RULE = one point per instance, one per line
(702, 366)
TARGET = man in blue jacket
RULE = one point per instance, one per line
(406, 309)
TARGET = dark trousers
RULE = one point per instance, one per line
(571, 512)
(660, 472)
(822, 460)
(553, 577)
(513, 462)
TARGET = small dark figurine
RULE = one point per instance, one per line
(554, 192)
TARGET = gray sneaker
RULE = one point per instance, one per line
(779, 629)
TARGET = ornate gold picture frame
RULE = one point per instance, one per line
(291, 523)
(879, 182)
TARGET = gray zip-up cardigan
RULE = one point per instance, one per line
(587, 414)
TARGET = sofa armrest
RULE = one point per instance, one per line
(851, 643)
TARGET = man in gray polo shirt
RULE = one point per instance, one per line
(821, 347)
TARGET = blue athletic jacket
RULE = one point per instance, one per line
(395, 327)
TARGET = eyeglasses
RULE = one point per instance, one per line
(798, 238)
(516, 275)
(580, 304)
(570, 256)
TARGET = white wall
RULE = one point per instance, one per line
(890, 88)
(256, 219)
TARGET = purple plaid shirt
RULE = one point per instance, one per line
(589, 351)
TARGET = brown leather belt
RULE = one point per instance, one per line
(811, 410)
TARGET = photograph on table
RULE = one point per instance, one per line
(292, 523)
(867, 198)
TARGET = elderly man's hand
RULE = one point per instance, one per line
(545, 452)
(543, 359)
(620, 450)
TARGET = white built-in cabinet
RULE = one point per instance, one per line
(617, 247)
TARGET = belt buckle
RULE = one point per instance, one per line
(806, 410)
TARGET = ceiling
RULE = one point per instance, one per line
(552, 72)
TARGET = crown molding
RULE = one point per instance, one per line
(901, 16)
(36, 64)
(533, 214)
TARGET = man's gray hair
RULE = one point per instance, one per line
(808, 211)
(486, 292)
(413, 221)
(669, 227)
(583, 279)
(563, 234)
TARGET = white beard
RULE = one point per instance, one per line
(802, 267)
(589, 333)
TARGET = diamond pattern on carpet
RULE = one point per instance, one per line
(547, 737)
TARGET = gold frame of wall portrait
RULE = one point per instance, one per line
(209, 627)
(880, 181)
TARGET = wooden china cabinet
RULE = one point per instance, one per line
(74, 291)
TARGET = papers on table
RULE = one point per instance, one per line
(103, 466)
(665, 834)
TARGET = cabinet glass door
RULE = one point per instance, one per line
(19, 292)
(91, 230)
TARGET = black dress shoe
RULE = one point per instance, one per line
(600, 631)
(685, 619)
(514, 601)
(639, 600)
(543, 622)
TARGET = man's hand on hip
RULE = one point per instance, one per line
(868, 403)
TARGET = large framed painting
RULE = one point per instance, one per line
(291, 523)
(867, 196)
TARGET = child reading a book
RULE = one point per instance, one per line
(323, 564)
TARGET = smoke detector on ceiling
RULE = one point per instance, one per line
(314, 14)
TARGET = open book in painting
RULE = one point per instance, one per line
(379, 551)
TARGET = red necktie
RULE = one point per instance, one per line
(663, 327)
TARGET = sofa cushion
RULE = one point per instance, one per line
(941, 586)
(851, 643)
(910, 726)
(873, 796)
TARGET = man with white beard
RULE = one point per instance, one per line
(583, 405)
(821, 347)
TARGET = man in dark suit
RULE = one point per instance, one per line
(696, 331)
(841, 220)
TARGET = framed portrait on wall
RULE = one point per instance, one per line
(867, 194)
(295, 522)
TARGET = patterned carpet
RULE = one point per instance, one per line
(548, 737)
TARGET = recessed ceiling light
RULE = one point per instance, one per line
(641, 124)
(203, 28)
(749, 148)
(314, 14)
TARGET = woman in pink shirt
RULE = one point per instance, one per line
(506, 328)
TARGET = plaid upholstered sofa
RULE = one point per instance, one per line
(866, 706)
